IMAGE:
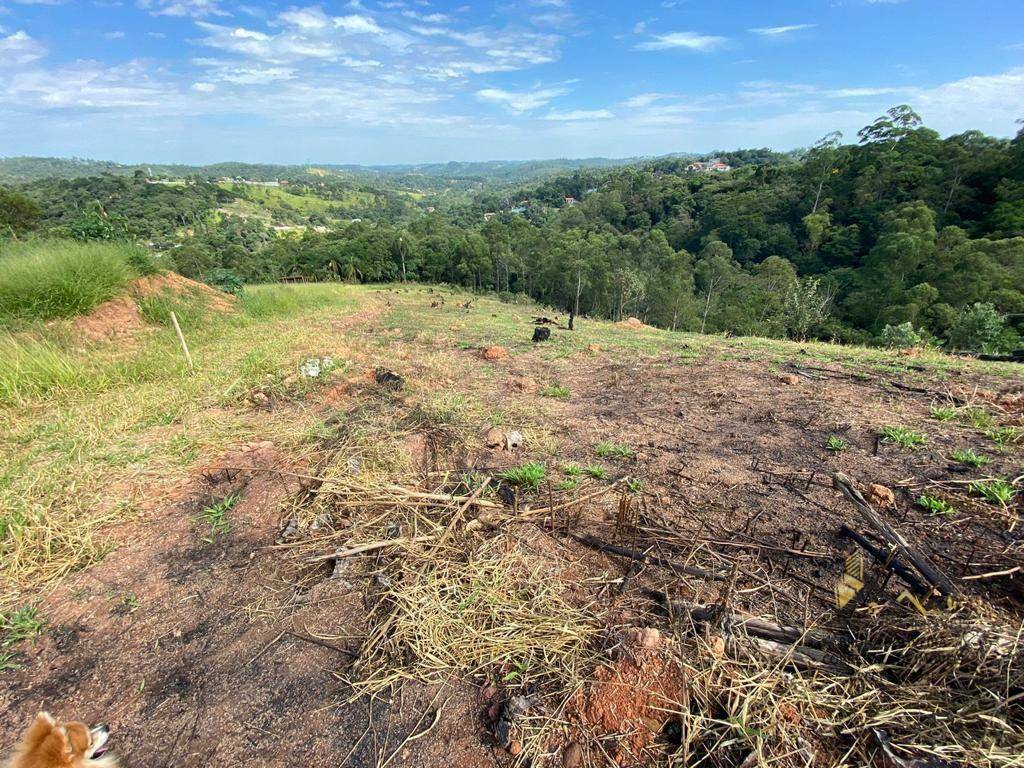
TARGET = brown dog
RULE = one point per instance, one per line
(50, 744)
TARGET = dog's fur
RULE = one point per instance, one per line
(51, 744)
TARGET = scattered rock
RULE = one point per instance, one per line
(880, 496)
(644, 637)
(790, 378)
(495, 353)
(524, 384)
(593, 349)
(572, 756)
(910, 352)
(514, 440)
(515, 748)
(260, 399)
(541, 334)
(494, 438)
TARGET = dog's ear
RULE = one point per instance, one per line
(40, 729)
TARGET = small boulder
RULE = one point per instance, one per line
(572, 756)
(880, 496)
(593, 349)
(494, 353)
(541, 334)
(524, 384)
(514, 440)
(790, 378)
(494, 438)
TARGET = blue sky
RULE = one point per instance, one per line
(396, 81)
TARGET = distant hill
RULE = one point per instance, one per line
(27, 169)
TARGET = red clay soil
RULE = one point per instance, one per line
(115, 319)
(628, 698)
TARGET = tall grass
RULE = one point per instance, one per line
(46, 279)
(266, 301)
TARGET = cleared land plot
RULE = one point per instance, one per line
(349, 568)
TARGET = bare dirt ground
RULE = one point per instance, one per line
(232, 648)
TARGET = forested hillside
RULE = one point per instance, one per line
(899, 236)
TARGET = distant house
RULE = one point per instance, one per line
(713, 165)
(571, 201)
(489, 216)
(431, 209)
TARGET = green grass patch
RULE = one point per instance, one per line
(969, 458)
(1005, 436)
(903, 436)
(943, 412)
(528, 477)
(996, 491)
(936, 506)
(47, 279)
(836, 444)
(608, 450)
(595, 471)
(216, 516)
(974, 416)
(556, 391)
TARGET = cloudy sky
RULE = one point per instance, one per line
(396, 81)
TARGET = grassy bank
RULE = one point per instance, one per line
(47, 279)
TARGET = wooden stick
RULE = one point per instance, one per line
(920, 561)
(603, 546)
(184, 346)
(371, 546)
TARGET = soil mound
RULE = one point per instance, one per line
(633, 323)
(115, 319)
(170, 282)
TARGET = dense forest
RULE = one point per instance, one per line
(900, 237)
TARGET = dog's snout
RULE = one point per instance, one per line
(104, 729)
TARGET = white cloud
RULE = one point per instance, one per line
(204, 87)
(521, 101)
(690, 40)
(19, 49)
(183, 8)
(642, 100)
(780, 31)
(116, 35)
(579, 115)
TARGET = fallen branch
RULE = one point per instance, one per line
(886, 558)
(920, 561)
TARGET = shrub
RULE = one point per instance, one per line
(977, 328)
(226, 280)
(901, 336)
(47, 279)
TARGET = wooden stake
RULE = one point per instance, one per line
(184, 346)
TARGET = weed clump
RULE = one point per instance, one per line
(903, 437)
(527, 477)
(607, 450)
